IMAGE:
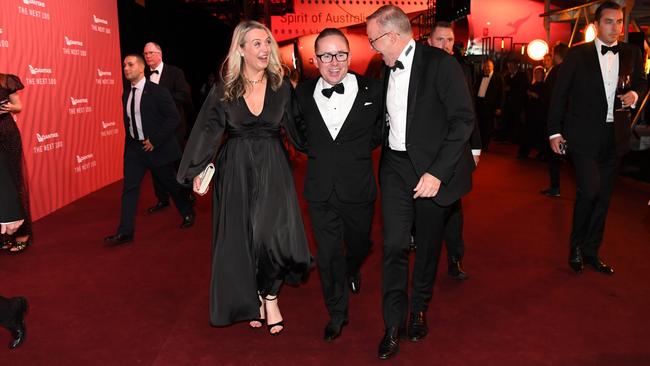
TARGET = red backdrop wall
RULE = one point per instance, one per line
(67, 54)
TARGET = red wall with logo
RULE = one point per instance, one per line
(67, 54)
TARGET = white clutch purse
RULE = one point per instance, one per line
(206, 178)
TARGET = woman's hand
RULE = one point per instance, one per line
(197, 186)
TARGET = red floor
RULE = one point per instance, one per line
(147, 303)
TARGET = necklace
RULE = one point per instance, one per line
(253, 82)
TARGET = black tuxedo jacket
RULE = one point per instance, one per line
(494, 96)
(578, 107)
(343, 164)
(439, 122)
(159, 121)
(173, 79)
(475, 138)
(10, 208)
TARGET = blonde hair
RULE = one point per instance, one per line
(232, 68)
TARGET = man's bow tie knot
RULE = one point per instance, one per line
(604, 49)
(339, 88)
(155, 72)
(398, 65)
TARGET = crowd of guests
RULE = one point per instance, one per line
(431, 120)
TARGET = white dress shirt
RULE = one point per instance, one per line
(609, 69)
(155, 78)
(397, 97)
(335, 109)
(485, 82)
(138, 97)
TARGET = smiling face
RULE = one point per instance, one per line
(256, 50)
(333, 72)
(383, 41)
(610, 25)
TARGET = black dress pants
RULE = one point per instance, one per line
(400, 211)
(453, 233)
(7, 312)
(342, 233)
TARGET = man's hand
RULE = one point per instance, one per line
(627, 99)
(555, 144)
(147, 146)
(11, 227)
(428, 186)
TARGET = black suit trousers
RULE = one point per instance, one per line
(400, 211)
(159, 188)
(342, 233)
(453, 233)
(136, 164)
(7, 312)
(595, 177)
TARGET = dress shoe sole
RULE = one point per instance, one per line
(386, 357)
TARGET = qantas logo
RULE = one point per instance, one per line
(70, 42)
(81, 159)
(42, 138)
(35, 70)
(99, 20)
(103, 73)
(78, 101)
(107, 124)
(34, 2)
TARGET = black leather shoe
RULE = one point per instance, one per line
(18, 331)
(455, 269)
(188, 221)
(160, 205)
(118, 239)
(389, 345)
(417, 327)
(599, 265)
(575, 260)
(333, 330)
(355, 283)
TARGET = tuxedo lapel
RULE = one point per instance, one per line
(593, 63)
(360, 98)
(413, 86)
(314, 107)
(624, 61)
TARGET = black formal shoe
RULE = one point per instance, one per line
(417, 328)
(18, 331)
(333, 330)
(160, 205)
(599, 265)
(355, 283)
(188, 221)
(550, 192)
(455, 269)
(575, 260)
(118, 239)
(389, 345)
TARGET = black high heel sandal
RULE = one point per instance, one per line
(260, 319)
(278, 324)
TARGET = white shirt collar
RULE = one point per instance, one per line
(600, 43)
(140, 84)
(406, 56)
(159, 68)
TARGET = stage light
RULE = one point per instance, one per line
(590, 33)
(537, 49)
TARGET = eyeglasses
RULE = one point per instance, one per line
(150, 52)
(329, 57)
(372, 41)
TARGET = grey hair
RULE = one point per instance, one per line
(391, 17)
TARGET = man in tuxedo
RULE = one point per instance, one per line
(150, 119)
(12, 310)
(489, 101)
(592, 119)
(553, 160)
(515, 86)
(442, 36)
(171, 78)
(425, 169)
(340, 117)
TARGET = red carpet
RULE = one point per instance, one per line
(147, 303)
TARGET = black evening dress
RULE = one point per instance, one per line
(258, 238)
(12, 145)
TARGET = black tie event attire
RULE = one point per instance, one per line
(431, 119)
(553, 160)
(172, 78)
(341, 126)
(489, 98)
(149, 113)
(585, 110)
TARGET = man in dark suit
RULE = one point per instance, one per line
(171, 78)
(426, 165)
(442, 36)
(341, 120)
(489, 101)
(150, 119)
(12, 310)
(559, 52)
(592, 119)
(515, 85)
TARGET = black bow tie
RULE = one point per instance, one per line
(398, 65)
(339, 88)
(155, 72)
(604, 49)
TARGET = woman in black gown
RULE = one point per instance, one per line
(11, 145)
(258, 235)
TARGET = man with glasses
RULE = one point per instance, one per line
(340, 120)
(426, 166)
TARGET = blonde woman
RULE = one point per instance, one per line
(258, 237)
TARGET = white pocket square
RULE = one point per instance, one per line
(367, 103)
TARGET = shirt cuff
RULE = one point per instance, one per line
(636, 99)
(476, 152)
(554, 136)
